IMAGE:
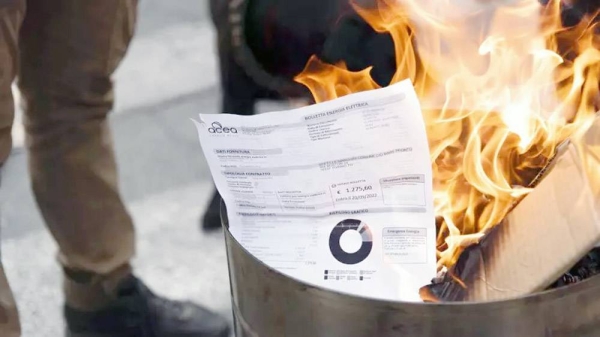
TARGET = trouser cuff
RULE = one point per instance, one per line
(90, 291)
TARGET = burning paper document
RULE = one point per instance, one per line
(337, 194)
(501, 85)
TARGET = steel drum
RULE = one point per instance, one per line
(267, 303)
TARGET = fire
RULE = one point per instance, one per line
(501, 85)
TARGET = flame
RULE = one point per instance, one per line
(501, 84)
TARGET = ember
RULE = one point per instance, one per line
(588, 266)
(501, 87)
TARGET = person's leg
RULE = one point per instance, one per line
(238, 92)
(64, 78)
(9, 316)
(69, 50)
(11, 16)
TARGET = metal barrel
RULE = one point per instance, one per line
(267, 303)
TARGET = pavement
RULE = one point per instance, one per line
(168, 77)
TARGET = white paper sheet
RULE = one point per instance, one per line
(337, 194)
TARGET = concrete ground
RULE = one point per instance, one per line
(168, 77)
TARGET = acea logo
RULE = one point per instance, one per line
(217, 127)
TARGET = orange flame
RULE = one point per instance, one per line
(500, 87)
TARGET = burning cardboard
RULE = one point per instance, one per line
(547, 233)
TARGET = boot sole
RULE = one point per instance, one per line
(90, 334)
(73, 334)
(226, 333)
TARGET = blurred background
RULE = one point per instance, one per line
(169, 76)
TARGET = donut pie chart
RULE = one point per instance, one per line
(351, 225)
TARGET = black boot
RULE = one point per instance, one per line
(212, 216)
(137, 312)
